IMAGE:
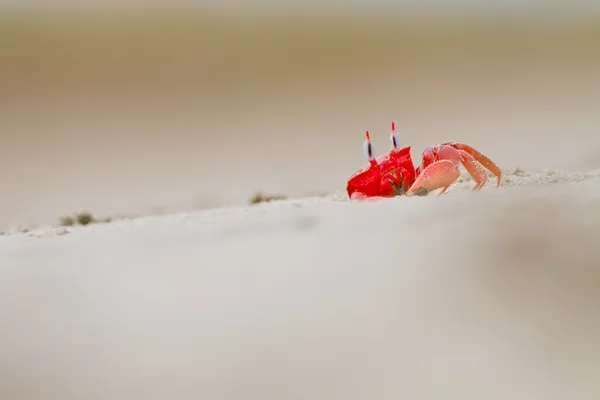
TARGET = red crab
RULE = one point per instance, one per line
(394, 174)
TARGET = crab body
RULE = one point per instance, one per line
(370, 181)
(393, 174)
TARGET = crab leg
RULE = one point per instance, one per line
(358, 196)
(439, 174)
(474, 169)
(480, 158)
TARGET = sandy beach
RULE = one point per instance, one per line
(177, 119)
(488, 295)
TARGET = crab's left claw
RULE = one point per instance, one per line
(437, 175)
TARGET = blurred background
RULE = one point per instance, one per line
(152, 106)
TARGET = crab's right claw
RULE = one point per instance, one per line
(440, 174)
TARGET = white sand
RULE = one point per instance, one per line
(488, 295)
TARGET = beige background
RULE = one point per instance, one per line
(170, 110)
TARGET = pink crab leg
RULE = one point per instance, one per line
(435, 176)
(445, 152)
(358, 196)
(474, 169)
(480, 158)
(363, 197)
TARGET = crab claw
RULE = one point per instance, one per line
(439, 174)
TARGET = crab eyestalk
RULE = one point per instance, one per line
(368, 149)
(395, 137)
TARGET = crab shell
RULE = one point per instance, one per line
(368, 180)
